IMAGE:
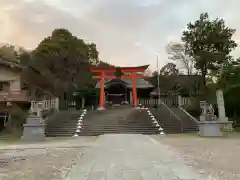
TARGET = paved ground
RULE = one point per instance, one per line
(131, 157)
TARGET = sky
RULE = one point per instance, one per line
(126, 32)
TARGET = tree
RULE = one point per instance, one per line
(148, 72)
(8, 52)
(176, 52)
(63, 62)
(170, 69)
(155, 73)
(209, 43)
(230, 75)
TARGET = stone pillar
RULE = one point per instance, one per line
(180, 101)
(221, 108)
(39, 109)
(131, 99)
(203, 107)
(83, 102)
(57, 104)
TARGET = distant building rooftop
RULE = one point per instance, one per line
(140, 83)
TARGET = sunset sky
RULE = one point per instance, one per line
(126, 32)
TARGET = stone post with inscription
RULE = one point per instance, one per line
(221, 109)
(203, 107)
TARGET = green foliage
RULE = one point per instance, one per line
(63, 61)
(209, 43)
(193, 108)
(230, 75)
(9, 52)
(232, 100)
(170, 69)
(118, 72)
(16, 120)
(86, 92)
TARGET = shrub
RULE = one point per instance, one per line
(17, 117)
(193, 109)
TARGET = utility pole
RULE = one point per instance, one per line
(158, 80)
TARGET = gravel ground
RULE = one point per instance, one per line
(214, 158)
(48, 160)
(38, 164)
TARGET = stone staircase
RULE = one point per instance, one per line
(168, 122)
(119, 120)
(124, 120)
(173, 120)
(189, 125)
(62, 124)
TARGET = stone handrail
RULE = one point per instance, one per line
(172, 113)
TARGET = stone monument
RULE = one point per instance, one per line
(203, 107)
(210, 126)
(34, 129)
(221, 110)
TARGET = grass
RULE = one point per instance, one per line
(9, 138)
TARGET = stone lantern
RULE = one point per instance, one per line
(34, 129)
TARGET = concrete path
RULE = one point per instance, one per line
(130, 157)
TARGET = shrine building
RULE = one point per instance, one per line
(121, 85)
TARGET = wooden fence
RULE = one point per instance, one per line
(45, 104)
(177, 101)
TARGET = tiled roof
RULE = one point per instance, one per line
(10, 63)
(140, 83)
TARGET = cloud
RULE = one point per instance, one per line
(126, 32)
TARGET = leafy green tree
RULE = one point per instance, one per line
(9, 52)
(170, 69)
(63, 61)
(209, 43)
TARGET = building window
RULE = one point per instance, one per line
(4, 86)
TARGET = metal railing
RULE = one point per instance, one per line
(171, 113)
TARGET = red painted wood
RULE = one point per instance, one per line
(102, 91)
(134, 89)
(102, 74)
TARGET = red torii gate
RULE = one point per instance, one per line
(102, 74)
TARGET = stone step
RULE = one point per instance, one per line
(101, 128)
(97, 134)
(96, 126)
(104, 131)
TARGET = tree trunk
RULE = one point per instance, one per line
(204, 73)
